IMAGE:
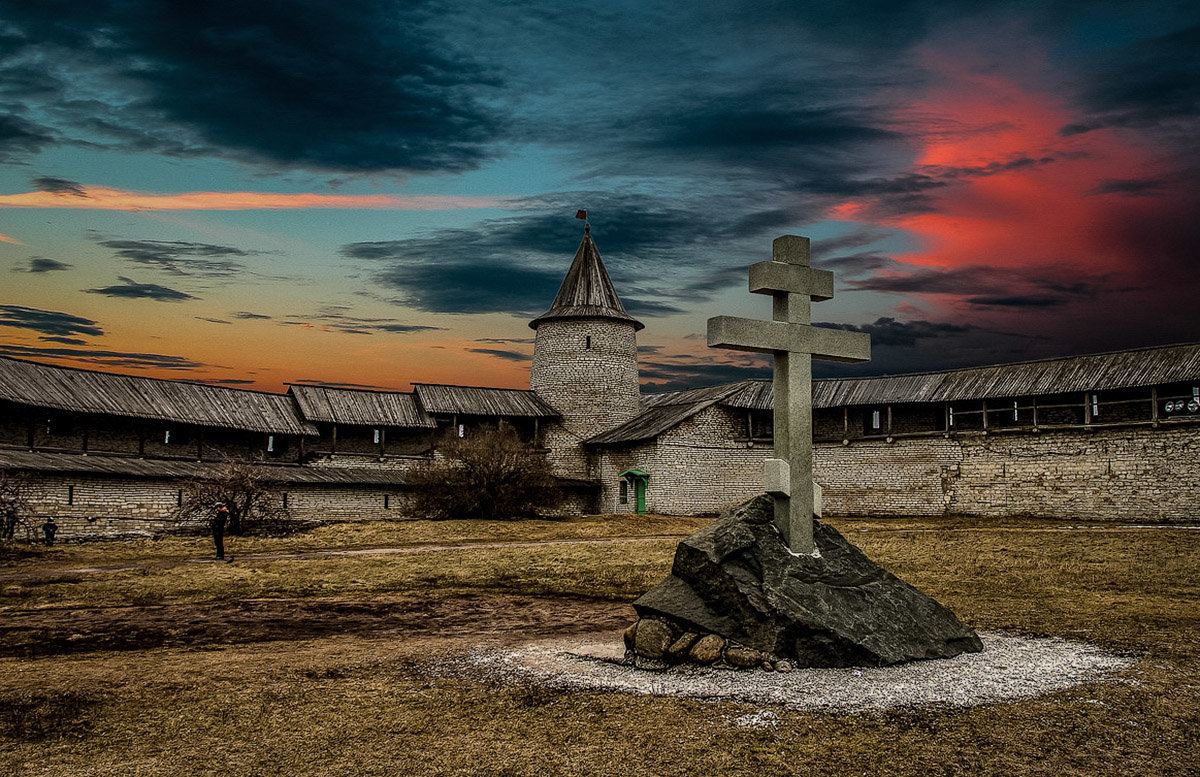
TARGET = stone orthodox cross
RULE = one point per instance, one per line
(792, 341)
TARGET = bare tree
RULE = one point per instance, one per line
(489, 474)
(245, 489)
(17, 516)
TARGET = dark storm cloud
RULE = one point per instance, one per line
(182, 258)
(1134, 187)
(63, 340)
(334, 321)
(985, 286)
(1149, 83)
(515, 265)
(365, 85)
(108, 358)
(512, 356)
(47, 183)
(21, 136)
(131, 289)
(41, 264)
(675, 373)
(888, 331)
(852, 266)
(1018, 301)
(48, 322)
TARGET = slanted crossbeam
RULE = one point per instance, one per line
(793, 342)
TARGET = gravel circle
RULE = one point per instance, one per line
(1011, 667)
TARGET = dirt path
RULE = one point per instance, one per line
(38, 574)
(503, 619)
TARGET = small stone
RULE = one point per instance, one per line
(630, 635)
(650, 664)
(652, 638)
(742, 657)
(707, 649)
(784, 666)
(679, 648)
(766, 666)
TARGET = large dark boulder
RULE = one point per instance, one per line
(738, 579)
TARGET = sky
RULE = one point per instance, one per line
(369, 193)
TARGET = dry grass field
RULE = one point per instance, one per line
(132, 659)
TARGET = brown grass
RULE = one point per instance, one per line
(312, 666)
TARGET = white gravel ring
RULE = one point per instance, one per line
(1010, 668)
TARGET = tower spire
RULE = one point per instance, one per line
(587, 291)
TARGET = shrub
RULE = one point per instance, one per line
(490, 474)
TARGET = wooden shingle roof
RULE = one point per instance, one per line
(1096, 372)
(439, 399)
(124, 466)
(357, 407)
(1134, 368)
(661, 412)
(129, 396)
(587, 291)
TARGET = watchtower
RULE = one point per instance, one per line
(585, 350)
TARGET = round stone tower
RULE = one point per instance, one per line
(585, 351)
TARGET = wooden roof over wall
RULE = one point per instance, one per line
(1097, 372)
(439, 399)
(129, 396)
(360, 408)
(121, 466)
(1140, 367)
(661, 412)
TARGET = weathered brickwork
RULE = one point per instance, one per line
(880, 478)
(698, 467)
(1130, 474)
(587, 370)
(1135, 474)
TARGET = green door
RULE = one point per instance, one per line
(639, 478)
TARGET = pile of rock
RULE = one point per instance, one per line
(656, 643)
(738, 579)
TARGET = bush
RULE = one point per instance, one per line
(491, 474)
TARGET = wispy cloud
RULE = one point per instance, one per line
(42, 264)
(48, 322)
(105, 198)
(130, 289)
(182, 258)
(100, 357)
(335, 321)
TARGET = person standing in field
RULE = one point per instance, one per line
(217, 524)
(10, 517)
(49, 529)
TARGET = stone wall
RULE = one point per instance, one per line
(696, 468)
(1105, 474)
(1118, 474)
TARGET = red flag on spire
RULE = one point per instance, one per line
(581, 214)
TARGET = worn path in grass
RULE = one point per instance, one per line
(34, 574)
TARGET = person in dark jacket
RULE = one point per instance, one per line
(49, 529)
(217, 524)
(10, 516)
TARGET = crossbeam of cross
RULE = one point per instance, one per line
(793, 342)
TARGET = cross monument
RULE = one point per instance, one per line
(793, 342)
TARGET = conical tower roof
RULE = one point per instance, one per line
(587, 291)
